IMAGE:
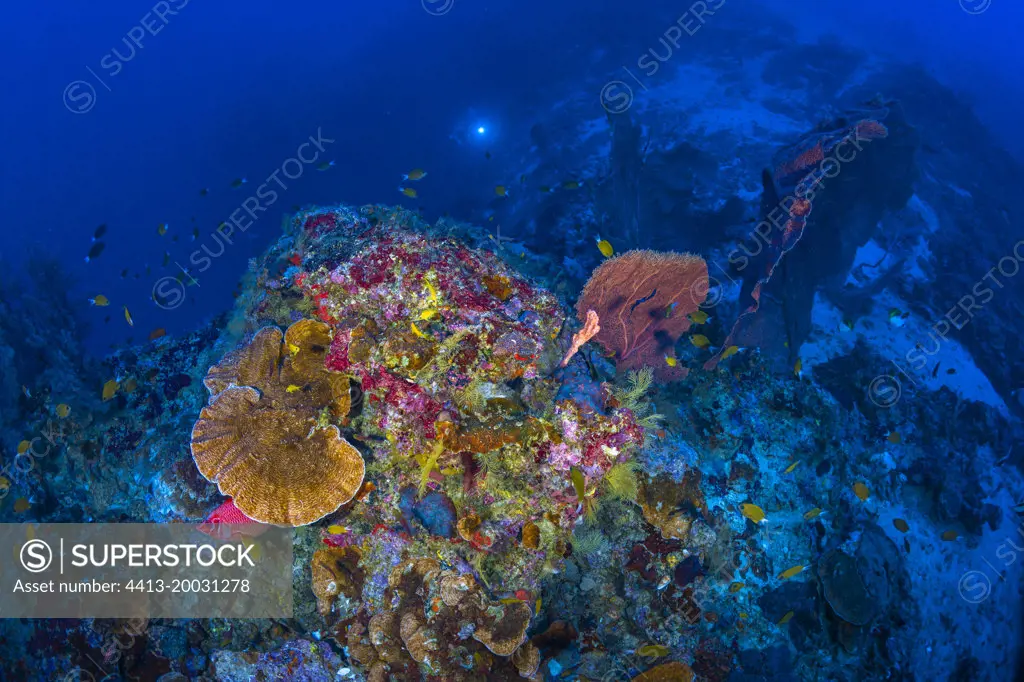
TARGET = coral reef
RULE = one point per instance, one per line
(444, 622)
(478, 495)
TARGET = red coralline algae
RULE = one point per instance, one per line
(403, 395)
(321, 220)
(337, 355)
(642, 299)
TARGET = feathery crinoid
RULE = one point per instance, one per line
(632, 396)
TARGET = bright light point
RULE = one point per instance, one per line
(480, 130)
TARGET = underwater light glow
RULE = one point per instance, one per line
(481, 130)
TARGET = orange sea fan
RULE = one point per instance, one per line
(642, 299)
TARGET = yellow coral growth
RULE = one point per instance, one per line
(531, 535)
(666, 672)
(261, 439)
(621, 481)
(273, 362)
(335, 572)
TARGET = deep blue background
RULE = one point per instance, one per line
(229, 89)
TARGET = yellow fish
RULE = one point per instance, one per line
(99, 300)
(730, 351)
(431, 290)
(894, 438)
(812, 514)
(23, 447)
(21, 505)
(238, 182)
(415, 174)
(736, 587)
(128, 317)
(255, 552)
(700, 341)
(416, 330)
(698, 317)
(798, 368)
(792, 466)
(578, 482)
(162, 228)
(537, 605)
(450, 471)
(861, 491)
(790, 572)
(653, 651)
(743, 615)
(501, 191)
(335, 529)
(605, 247)
(571, 184)
(63, 410)
(950, 535)
(428, 314)
(130, 385)
(671, 362)
(785, 619)
(109, 389)
(752, 512)
(901, 525)
(409, 192)
(292, 388)
(292, 348)
(5, 485)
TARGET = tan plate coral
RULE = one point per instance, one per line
(265, 439)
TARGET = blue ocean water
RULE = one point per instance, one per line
(210, 94)
(203, 136)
